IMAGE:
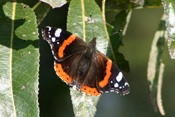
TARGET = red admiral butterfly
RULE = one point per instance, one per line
(80, 64)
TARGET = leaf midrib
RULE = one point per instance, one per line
(83, 18)
(11, 52)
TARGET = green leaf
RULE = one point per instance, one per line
(18, 60)
(116, 56)
(156, 68)
(55, 3)
(86, 21)
(169, 10)
(41, 11)
(119, 5)
(152, 3)
(83, 105)
(120, 23)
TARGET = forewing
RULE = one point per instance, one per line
(63, 43)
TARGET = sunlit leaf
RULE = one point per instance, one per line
(86, 21)
(18, 60)
(83, 105)
(156, 68)
(169, 10)
(55, 3)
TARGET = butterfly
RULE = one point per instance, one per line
(81, 64)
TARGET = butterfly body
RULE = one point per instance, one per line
(80, 64)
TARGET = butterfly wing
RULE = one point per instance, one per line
(93, 75)
(60, 42)
(112, 79)
(80, 72)
(96, 76)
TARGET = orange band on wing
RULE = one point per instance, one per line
(105, 81)
(66, 78)
(65, 43)
(90, 91)
(63, 75)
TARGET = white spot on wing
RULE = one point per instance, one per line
(119, 77)
(58, 32)
(116, 85)
(126, 84)
(49, 28)
(53, 39)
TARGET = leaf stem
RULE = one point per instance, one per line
(36, 5)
